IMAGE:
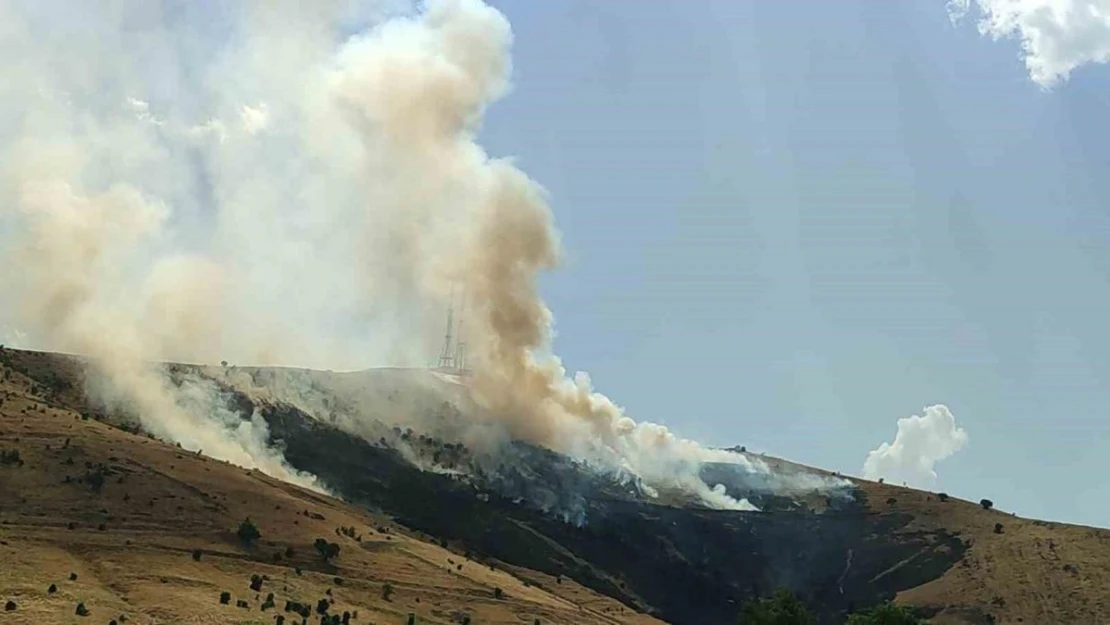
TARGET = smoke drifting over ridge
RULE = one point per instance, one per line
(288, 195)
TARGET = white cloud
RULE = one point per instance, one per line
(1057, 36)
(921, 442)
(255, 119)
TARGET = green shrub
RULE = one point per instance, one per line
(248, 532)
(886, 614)
(781, 608)
(327, 550)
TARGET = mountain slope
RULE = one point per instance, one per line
(130, 539)
(575, 536)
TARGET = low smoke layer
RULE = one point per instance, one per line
(921, 442)
(250, 182)
(1057, 36)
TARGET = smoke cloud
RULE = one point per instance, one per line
(1057, 36)
(252, 183)
(921, 442)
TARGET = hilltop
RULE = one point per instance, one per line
(447, 525)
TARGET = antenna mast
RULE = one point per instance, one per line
(452, 357)
(447, 355)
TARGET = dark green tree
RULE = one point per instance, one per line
(248, 531)
(327, 550)
(781, 608)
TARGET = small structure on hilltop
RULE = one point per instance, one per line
(453, 356)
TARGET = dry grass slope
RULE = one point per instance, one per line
(1032, 572)
(131, 543)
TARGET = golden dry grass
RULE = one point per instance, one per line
(1033, 572)
(131, 544)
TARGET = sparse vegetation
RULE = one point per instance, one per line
(986, 503)
(10, 457)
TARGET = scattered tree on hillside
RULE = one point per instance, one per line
(886, 614)
(387, 591)
(997, 528)
(781, 608)
(81, 610)
(943, 496)
(9, 606)
(196, 555)
(248, 531)
(225, 597)
(986, 503)
(256, 582)
(10, 457)
(498, 593)
(327, 550)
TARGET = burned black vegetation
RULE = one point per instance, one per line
(537, 509)
(686, 565)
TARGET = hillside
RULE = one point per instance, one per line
(131, 543)
(568, 545)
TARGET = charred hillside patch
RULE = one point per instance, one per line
(686, 565)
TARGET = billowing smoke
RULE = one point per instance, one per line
(921, 442)
(248, 182)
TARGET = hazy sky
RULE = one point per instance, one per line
(790, 224)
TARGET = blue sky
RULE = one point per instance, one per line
(788, 225)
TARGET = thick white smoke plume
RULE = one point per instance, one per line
(1057, 36)
(249, 182)
(921, 442)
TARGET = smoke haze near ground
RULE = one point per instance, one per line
(286, 195)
